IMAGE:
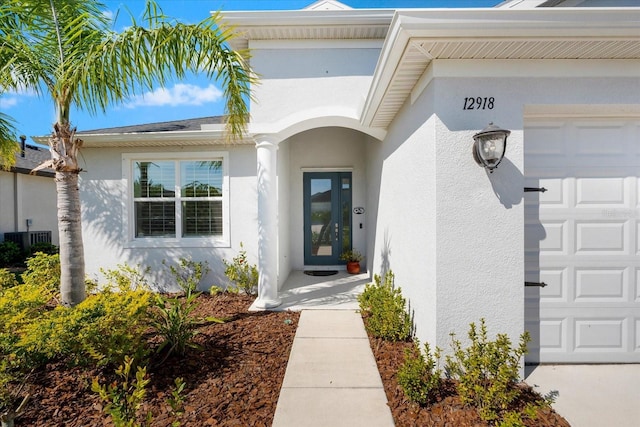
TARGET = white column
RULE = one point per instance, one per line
(267, 148)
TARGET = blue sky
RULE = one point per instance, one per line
(194, 97)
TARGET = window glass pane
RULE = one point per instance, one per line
(154, 179)
(346, 213)
(201, 218)
(321, 227)
(201, 178)
(157, 219)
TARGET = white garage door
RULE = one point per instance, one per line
(582, 239)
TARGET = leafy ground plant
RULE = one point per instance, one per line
(419, 375)
(124, 399)
(13, 394)
(488, 372)
(172, 316)
(384, 309)
(241, 273)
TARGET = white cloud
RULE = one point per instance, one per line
(8, 102)
(179, 95)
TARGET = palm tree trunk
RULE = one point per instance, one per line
(72, 286)
(64, 150)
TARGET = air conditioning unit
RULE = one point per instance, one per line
(25, 239)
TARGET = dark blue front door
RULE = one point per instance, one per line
(327, 216)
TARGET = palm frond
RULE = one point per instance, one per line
(8, 145)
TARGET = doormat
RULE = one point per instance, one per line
(320, 272)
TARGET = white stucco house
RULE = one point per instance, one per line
(28, 201)
(361, 136)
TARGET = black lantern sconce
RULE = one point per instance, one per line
(489, 146)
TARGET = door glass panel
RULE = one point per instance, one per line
(346, 213)
(321, 231)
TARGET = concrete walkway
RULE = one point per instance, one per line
(332, 378)
(591, 395)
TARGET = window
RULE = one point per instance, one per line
(179, 200)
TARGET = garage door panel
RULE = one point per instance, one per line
(553, 334)
(550, 237)
(582, 238)
(601, 237)
(546, 140)
(601, 285)
(601, 192)
(600, 335)
(599, 139)
(557, 285)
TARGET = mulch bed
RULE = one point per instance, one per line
(447, 410)
(234, 380)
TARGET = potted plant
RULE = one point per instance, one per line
(353, 258)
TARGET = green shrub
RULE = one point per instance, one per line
(419, 376)
(172, 316)
(9, 253)
(173, 321)
(124, 278)
(384, 308)
(188, 274)
(7, 279)
(104, 328)
(176, 400)
(44, 247)
(124, 399)
(43, 270)
(487, 371)
(243, 275)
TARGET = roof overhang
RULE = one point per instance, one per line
(418, 37)
(307, 24)
(205, 137)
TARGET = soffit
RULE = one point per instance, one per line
(416, 39)
(360, 24)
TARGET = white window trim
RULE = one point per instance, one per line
(128, 220)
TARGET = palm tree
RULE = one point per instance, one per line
(64, 50)
(8, 145)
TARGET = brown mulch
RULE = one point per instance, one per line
(447, 409)
(233, 380)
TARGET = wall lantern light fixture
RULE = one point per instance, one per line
(489, 146)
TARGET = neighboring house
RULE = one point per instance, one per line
(28, 201)
(380, 107)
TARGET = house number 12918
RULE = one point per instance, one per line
(478, 103)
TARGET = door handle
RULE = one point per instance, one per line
(336, 230)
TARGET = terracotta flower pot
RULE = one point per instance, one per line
(353, 267)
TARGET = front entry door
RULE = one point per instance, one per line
(327, 216)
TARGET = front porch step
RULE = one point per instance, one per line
(304, 292)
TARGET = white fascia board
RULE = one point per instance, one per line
(392, 50)
(316, 44)
(307, 18)
(156, 139)
(457, 24)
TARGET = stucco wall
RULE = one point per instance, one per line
(104, 199)
(36, 200)
(451, 232)
(310, 79)
(325, 149)
(402, 209)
